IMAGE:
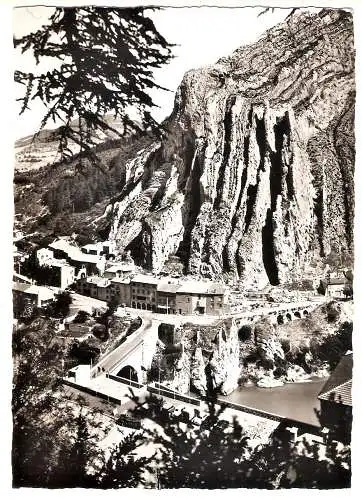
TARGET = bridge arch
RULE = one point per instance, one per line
(129, 373)
(305, 312)
(280, 319)
(297, 314)
(288, 316)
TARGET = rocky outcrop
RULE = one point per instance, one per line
(224, 370)
(197, 372)
(255, 172)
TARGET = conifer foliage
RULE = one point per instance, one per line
(104, 60)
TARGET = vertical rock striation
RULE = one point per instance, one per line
(255, 173)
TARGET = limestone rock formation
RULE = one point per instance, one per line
(255, 172)
(197, 371)
(224, 370)
(268, 345)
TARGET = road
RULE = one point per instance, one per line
(112, 358)
(82, 302)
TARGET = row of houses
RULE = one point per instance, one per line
(65, 263)
(158, 295)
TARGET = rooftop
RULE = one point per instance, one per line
(339, 385)
(79, 256)
(44, 292)
(63, 244)
(336, 281)
(22, 277)
(58, 263)
(167, 287)
(126, 281)
(202, 288)
(99, 281)
(146, 279)
(122, 266)
(93, 246)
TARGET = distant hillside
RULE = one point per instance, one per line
(65, 198)
(33, 153)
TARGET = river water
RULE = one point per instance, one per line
(296, 401)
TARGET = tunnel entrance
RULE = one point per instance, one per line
(129, 373)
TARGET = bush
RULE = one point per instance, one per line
(81, 317)
(84, 352)
(166, 333)
(135, 325)
(285, 343)
(100, 331)
(333, 311)
(245, 333)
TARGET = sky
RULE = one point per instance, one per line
(202, 35)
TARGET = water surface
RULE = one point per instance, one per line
(296, 401)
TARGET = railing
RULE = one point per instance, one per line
(123, 380)
(252, 411)
(173, 395)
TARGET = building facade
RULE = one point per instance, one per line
(166, 297)
(144, 292)
(149, 293)
(201, 298)
(121, 290)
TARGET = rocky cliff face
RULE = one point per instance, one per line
(255, 173)
(209, 359)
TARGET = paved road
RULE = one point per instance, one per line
(175, 319)
(88, 303)
(111, 359)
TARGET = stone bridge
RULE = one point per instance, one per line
(132, 358)
(278, 314)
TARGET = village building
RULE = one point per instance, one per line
(60, 273)
(29, 296)
(100, 248)
(336, 400)
(85, 264)
(61, 248)
(335, 288)
(166, 297)
(95, 287)
(119, 270)
(144, 292)
(197, 297)
(44, 255)
(121, 290)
